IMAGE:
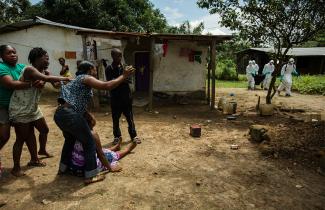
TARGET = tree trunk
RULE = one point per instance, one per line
(276, 72)
(272, 87)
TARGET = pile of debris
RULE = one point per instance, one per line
(298, 140)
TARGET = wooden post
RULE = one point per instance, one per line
(209, 79)
(322, 70)
(151, 67)
(84, 47)
(213, 68)
(94, 103)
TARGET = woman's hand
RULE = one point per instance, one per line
(39, 84)
(67, 79)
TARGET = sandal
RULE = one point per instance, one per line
(36, 164)
(136, 140)
(46, 154)
(94, 179)
(117, 140)
(18, 173)
(103, 172)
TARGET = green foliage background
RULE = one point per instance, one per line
(116, 15)
(308, 84)
(226, 70)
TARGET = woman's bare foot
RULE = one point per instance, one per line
(45, 153)
(17, 172)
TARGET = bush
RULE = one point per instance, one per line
(226, 70)
(242, 77)
(308, 84)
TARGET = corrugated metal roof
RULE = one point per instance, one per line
(88, 31)
(193, 37)
(311, 51)
(42, 21)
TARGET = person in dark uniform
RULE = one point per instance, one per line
(121, 99)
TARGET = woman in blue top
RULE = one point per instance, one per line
(73, 100)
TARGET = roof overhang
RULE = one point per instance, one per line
(111, 34)
(157, 36)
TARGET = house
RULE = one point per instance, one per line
(308, 60)
(59, 40)
(168, 63)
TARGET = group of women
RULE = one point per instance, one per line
(20, 92)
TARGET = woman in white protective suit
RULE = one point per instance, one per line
(250, 73)
(287, 71)
(267, 72)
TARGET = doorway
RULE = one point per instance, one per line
(142, 74)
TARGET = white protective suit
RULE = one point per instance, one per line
(256, 67)
(286, 77)
(250, 73)
(267, 71)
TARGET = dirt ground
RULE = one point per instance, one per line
(170, 169)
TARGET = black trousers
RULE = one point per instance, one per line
(118, 107)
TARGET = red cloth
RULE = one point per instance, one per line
(165, 47)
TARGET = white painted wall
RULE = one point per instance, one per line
(54, 40)
(171, 73)
(176, 74)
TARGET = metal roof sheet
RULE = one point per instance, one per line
(88, 31)
(41, 21)
(311, 51)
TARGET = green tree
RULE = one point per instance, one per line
(12, 10)
(73, 12)
(318, 41)
(278, 23)
(116, 15)
(226, 57)
(228, 49)
(186, 28)
(35, 10)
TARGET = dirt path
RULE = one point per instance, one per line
(171, 170)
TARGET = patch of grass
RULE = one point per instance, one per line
(240, 83)
(305, 84)
(231, 84)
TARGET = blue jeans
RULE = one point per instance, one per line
(74, 127)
